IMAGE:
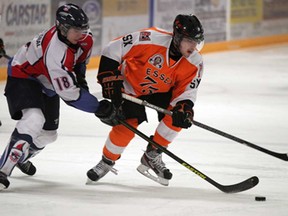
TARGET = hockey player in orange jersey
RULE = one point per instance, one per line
(162, 68)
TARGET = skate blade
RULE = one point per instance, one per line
(144, 170)
(90, 182)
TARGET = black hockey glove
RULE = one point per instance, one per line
(112, 84)
(108, 114)
(80, 71)
(2, 50)
(183, 114)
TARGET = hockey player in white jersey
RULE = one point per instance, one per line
(49, 67)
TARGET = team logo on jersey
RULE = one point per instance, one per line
(157, 61)
(144, 36)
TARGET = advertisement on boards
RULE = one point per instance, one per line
(21, 21)
(212, 14)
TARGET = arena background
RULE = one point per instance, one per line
(228, 24)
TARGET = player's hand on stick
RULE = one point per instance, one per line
(183, 114)
(108, 113)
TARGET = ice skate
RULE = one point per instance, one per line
(152, 159)
(4, 182)
(27, 167)
(100, 170)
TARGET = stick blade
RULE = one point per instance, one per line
(242, 186)
(284, 157)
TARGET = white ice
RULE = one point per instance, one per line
(244, 93)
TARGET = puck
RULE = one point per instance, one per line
(260, 198)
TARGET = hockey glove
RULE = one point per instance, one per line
(183, 114)
(2, 50)
(108, 114)
(80, 71)
(112, 84)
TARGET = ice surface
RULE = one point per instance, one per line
(244, 93)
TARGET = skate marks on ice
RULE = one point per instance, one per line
(106, 191)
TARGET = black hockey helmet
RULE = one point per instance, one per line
(71, 15)
(187, 26)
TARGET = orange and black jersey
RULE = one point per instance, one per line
(144, 62)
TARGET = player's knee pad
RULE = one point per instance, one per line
(31, 122)
(44, 138)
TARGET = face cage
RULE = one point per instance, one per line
(178, 38)
(200, 45)
(65, 28)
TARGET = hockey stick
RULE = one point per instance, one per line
(2, 51)
(5, 56)
(282, 156)
(235, 188)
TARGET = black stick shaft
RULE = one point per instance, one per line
(282, 156)
(242, 186)
(5, 56)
